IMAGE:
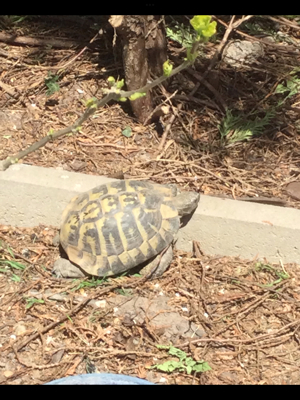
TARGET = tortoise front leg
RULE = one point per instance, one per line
(63, 268)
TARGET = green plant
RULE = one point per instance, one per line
(124, 292)
(15, 19)
(89, 284)
(12, 264)
(127, 132)
(7, 248)
(204, 27)
(291, 87)
(259, 27)
(30, 301)
(185, 363)
(291, 16)
(238, 128)
(181, 34)
(51, 83)
(16, 278)
(281, 275)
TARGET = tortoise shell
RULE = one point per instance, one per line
(117, 226)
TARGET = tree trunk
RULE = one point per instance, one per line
(144, 52)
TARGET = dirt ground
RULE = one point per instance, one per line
(234, 321)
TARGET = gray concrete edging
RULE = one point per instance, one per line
(31, 195)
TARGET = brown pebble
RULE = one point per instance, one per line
(293, 189)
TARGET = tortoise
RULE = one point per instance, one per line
(120, 225)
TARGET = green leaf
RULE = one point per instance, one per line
(122, 99)
(137, 95)
(14, 264)
(281, 89)
(167, 68)
(189, 369)
(182, 34)
(200, 22)
(210, 30)
(88, 284)
(70, 319)
(120, 84)
(127, 132)
(50, 132)
(92, 102)
(10, 251)
(16, 278)
(16, 18)
(51, 84)
(124, 292)
(177, 352)
(169, 366)
(32, 300)
(203, 26)
(190, 362)
(201, 367)
(111, 80)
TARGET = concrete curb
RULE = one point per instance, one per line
(31, 195)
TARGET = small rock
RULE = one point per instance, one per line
(293, 190)
(20, 329)
(77, 165)
(242, 52)
(56, 357)
(25, 253)
(8, 374)
(229, 376)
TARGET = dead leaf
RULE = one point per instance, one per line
(72, 369)
(116, 20)
(56, 357)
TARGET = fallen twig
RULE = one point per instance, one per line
(167, 129)
(15, 39)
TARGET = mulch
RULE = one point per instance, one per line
(249, 310)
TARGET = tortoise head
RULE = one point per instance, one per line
(186, 202)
